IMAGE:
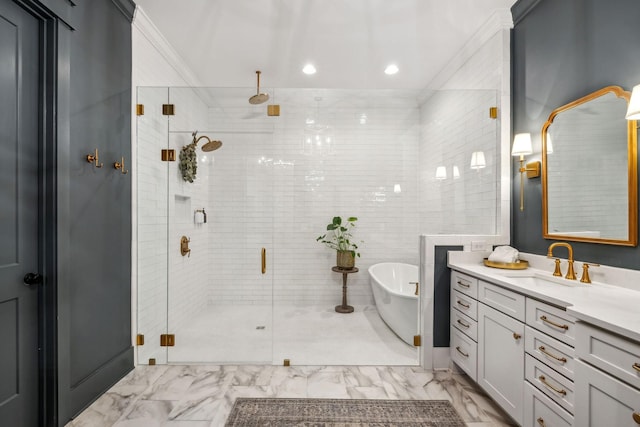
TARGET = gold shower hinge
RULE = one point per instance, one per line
(417, 340)
(167, 340)
(168, 110)
(493, 112)
(168, 155)
(140, 339)
(273, 110)
(139, 109)
(152, 362)
(286, 362)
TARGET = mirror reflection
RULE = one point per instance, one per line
(589, 170)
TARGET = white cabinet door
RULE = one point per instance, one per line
(501, 359)
(602, 400)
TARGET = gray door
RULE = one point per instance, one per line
(19, 132)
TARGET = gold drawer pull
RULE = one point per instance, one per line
(541, 422)
(464, 305)
(636, 366)
(516, 336)
(544, 381)
(461, 323)
(559, 359)
(464, 285)
(636, 417)
(461, 352)
(557, 325)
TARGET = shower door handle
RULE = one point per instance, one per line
(264, 260)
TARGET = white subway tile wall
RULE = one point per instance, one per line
(272, 188)
(456, 124)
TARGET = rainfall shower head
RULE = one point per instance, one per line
(258, 98)
(210, 145)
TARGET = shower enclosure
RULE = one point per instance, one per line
(255, 286)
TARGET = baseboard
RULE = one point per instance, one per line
(441, 358)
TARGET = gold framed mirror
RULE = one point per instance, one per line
(589, 171)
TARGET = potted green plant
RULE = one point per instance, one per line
(339, 237)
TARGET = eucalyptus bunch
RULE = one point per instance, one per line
(188, 162)
(339, 235)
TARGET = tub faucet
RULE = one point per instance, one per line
(571, 274)
(417, 286)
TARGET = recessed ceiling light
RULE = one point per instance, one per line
(309, 69)
(391, 69)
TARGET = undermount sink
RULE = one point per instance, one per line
(528, 278)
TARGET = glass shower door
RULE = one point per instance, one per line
(220, 293)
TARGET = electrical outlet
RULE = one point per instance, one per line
(478, 245)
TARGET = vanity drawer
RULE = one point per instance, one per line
(503, 300)
(464, 352)
(613, 354)
(464, 304)
(557, 387)
(552, 321)
(466, 284)
(550, 351)
(465, 324)
(540, 411)
(603, 400)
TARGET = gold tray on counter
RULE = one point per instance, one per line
(520, 265)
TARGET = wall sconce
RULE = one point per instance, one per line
(633, 111)
(522, 147)
(441, 173)
(549, 143)
(456, 172)
(477, 160)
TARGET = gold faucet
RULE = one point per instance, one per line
(571, 274)
(585, 272)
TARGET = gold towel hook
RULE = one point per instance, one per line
(93, 158)
(120, 166)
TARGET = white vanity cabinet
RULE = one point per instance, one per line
(518, 349)
(464, 322)
(501, 359)
(501, 314)
(544, 364)
(549, 365)
(607, 378)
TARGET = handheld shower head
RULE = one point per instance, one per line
(258, 98)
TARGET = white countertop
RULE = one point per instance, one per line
(615, 308)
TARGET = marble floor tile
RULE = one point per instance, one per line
(203, 395)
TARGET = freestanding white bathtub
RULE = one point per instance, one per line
(395, 297)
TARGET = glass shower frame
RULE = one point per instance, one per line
(169, 296)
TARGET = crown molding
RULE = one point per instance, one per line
(147, 28)
(522, 8)
(500, 20)
(127, 7)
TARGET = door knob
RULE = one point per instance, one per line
(32, 279)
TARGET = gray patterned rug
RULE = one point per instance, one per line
(248, 412)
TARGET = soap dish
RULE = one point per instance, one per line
(520, 265)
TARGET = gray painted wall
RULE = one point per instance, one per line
(93, 296)
(442, 296)
(563, 50)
